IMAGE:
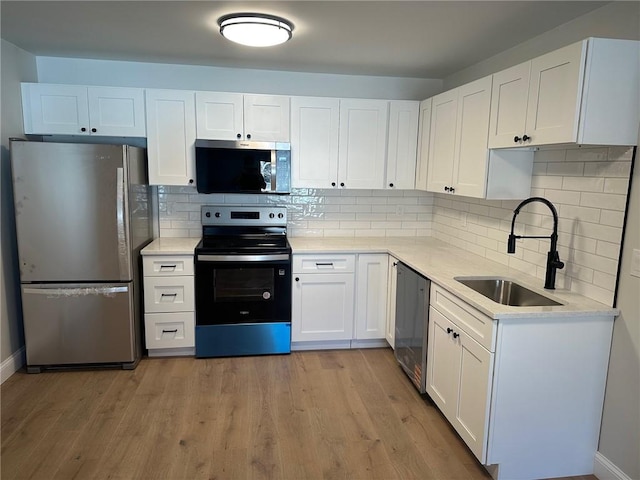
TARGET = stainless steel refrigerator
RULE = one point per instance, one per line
(82, 216)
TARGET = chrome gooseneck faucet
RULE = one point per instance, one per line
(553, 259)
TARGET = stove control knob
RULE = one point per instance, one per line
(217, 214)
(208, 214)
(280, 215)
(271, 215)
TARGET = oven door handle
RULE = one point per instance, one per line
(242, 258)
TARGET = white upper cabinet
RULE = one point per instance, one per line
(50, 109)
(363, 143)
(234, 116)
(585, 93)
(402, 144)
(314, 141)
(171, 136)
(459, 161)
(339, 143)
(424, 130)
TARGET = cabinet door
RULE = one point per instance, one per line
(471, 152)
(474, 383)
(401, 153)
(391, 301)
(116, 111)
(509, 95)
(171, 136)
(266, 118)
(55, 109)
(363, 143)
(423, 144)
(314, 142)
(323, 307)
(442, 141)
(371, 296)
(219, 116)
(555, 90)
(443, 364)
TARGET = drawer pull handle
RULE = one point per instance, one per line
(170, 331)
(168, 266)
(169, 295)
(330, 264)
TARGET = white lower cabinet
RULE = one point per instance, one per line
(524, 393)
(459, 373)
(390, 328)
(169, 305)
(339, 301)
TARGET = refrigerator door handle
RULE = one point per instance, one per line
(123, 247)
(75, 291)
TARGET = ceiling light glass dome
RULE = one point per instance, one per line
(255, 29)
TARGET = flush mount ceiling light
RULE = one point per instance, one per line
(255, 29)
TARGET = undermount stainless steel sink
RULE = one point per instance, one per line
(506, 292)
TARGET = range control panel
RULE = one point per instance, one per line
(258, 215)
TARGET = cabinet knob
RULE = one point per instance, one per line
(391, 185)
(239, 135)
(94, 130)
(248, 136)
(395, 264)
(342, 184)
(83, 129)
(455, 335)
(516, 139)
(449, 330)
(333, 184)
(297, 279)
(526, 138)
(451, 189)
(190, 181)
(446, 189)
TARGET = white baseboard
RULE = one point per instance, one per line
(12, 364)
(604, 469)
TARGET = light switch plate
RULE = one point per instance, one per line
(635, 263)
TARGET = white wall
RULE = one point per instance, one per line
(193, 77)
(17, 66)
(620, 19)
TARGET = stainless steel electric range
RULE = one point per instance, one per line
(243, 282)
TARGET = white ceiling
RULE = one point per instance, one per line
(422, 39)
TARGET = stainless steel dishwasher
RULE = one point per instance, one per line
(412, 324)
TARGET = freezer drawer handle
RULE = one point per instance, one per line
(76, 292)
(170, 331)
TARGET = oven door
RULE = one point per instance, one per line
(237, 289)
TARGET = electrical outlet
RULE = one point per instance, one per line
(635, 263)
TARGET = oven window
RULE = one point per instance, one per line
(243, 284)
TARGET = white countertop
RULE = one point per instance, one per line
(436, 260)
(441, 263)
(171, 246)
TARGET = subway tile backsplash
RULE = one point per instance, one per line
(588, 186)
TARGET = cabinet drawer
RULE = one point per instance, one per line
(476, 324)
(168, 294)
(324, 263)
(169, 330)
(163, 265)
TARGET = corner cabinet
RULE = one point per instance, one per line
(390, 328)
(459, 161)
(584, 93)
(371, 296)
(424, 132)
(51, 109)
(524, 393)
(171, 137)
(235, 116)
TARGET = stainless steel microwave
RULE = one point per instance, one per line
(243, 167)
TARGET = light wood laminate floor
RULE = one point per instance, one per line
(347, 414)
